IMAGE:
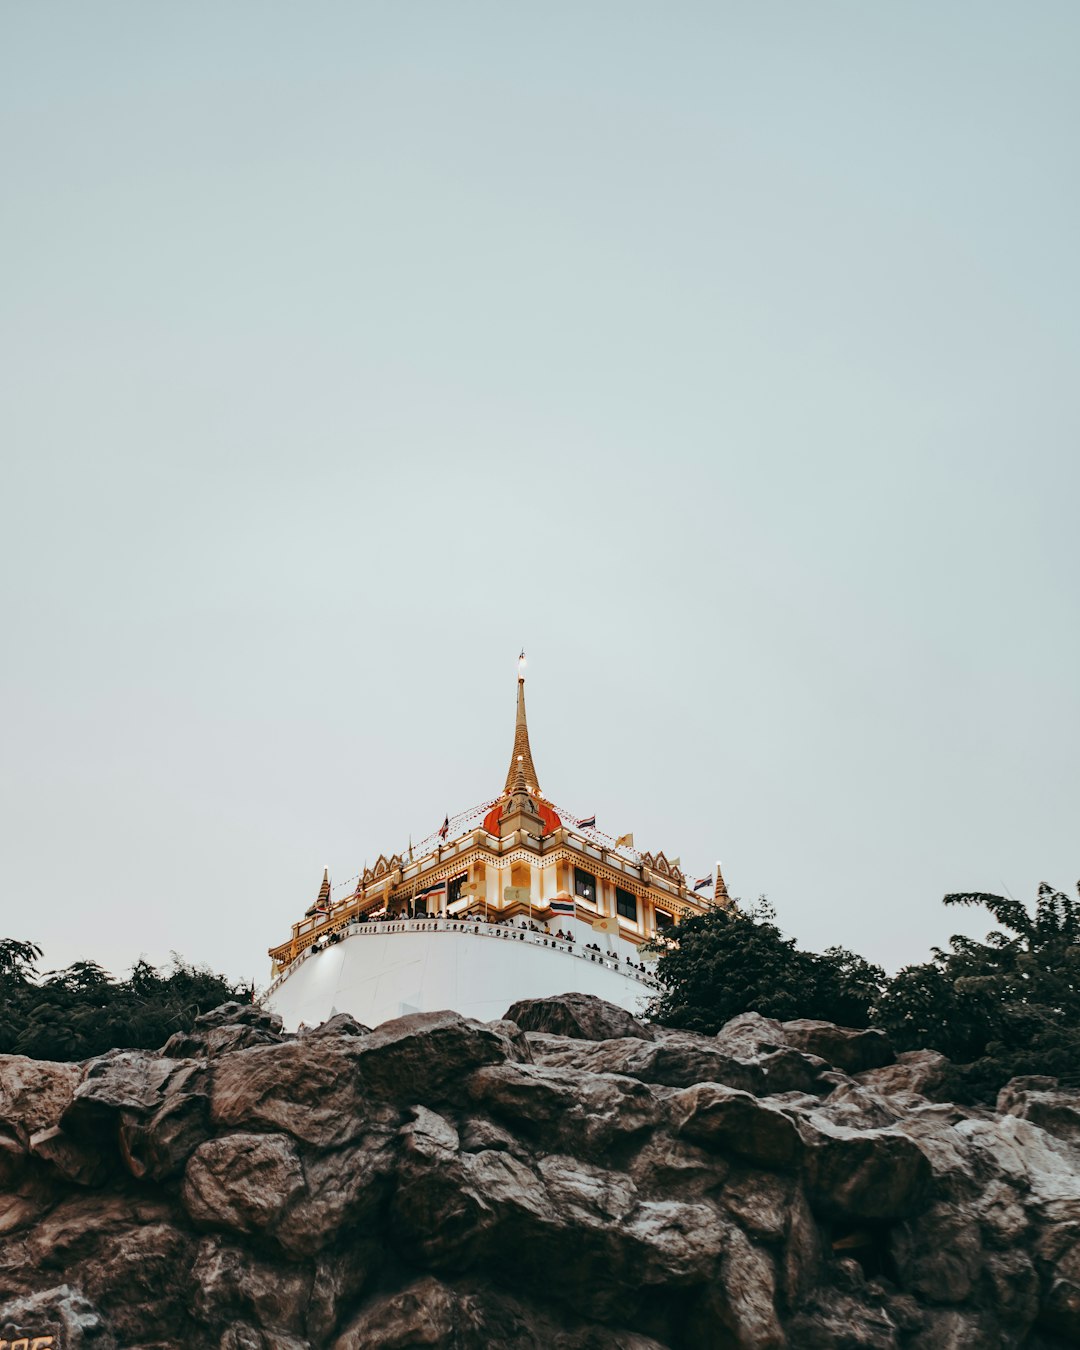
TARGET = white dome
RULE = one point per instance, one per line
(377, 971)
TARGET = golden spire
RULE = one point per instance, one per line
(521, 751)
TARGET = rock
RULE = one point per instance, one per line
(939, 1254)
(582, 1016)
(446, 1182)
(242, 1182)
(231, 1284)
(426, 1056)
(748, 1307)
(1060, 1312)
(848, 1048)
(158, 1147)
(586, 1111)
(749, 1036)
(341, 1024)
(61, 1314)
(310, 1090)
(131, 1277)
(1042, 1101)
(672, 1060)
(344, 1191)
(70, 1158)
(425, 1313)
(838, 1322)
(239, 1015)
(232, 1026)
(738, 1123)
(864, 1174)
(35, 1093)
(915, 1071)
(788, 1070)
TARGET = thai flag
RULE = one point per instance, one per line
(439, 888)
(589, 823)
(444, 828)
(563, 907)
(702, 882)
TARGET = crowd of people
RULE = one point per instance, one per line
(413, 912)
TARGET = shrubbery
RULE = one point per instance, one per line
(83, 1011)
(1006, 1006)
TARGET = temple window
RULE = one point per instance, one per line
(625, 903)
(663, 920)
(584, 884)
(453, 890)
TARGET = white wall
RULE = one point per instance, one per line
(381, 971)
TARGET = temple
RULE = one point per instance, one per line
(570, 907)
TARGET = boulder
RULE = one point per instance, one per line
(239, 1015)
(738, 1123)
(242, 1182)
(60, 1314)
(130, 1276)
(850, 1049)
(341, 1024)
(231, 1026)
(939, 1254)
(749, 1035)
(75, 1161)
(863, 1174)
(426, 1056)
(446, 1182)
(583, 1016)
(1045, 1103)
(35, 1093)
(231, 1284)
(671, 1060)
(344, 1191)
(310, 1089)
(922, 1072)
(571, 1110)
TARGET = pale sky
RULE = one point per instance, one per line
(724, 356)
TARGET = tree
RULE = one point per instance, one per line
(83, 1011)
(727, 962)
(1005, 1006)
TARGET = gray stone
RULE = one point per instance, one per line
(579, 1015)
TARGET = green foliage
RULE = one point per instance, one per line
(82, 1011)
(1005, 1006)
(727, 962)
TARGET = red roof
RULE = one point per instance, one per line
(547, 815)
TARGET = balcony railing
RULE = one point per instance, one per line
(498, 932)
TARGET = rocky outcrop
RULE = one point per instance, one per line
(565, 1177)
(580, 1015)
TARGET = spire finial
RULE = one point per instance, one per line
(521, 752)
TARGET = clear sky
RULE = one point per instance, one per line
(724, 356)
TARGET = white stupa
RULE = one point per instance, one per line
(513, 899)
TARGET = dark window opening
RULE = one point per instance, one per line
(663, 919)
(584, 884)
(453, 890)
(625, 903)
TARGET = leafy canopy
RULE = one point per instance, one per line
(83, 1011)
(727, 962)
